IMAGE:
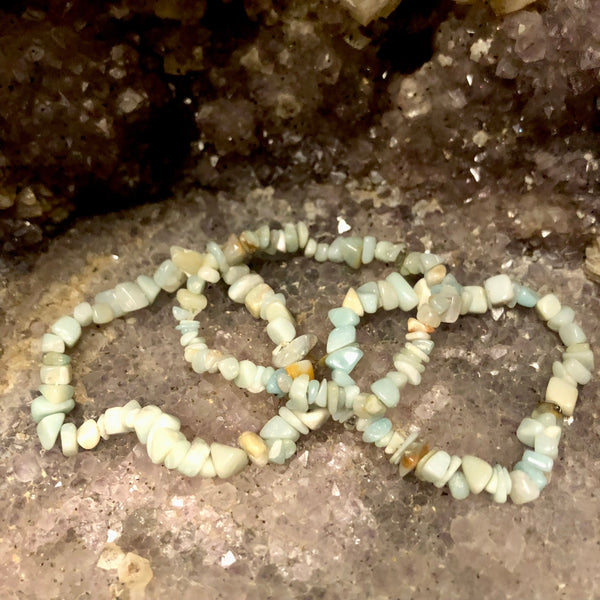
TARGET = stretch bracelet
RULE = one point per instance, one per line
(443, 302)
(439, 299)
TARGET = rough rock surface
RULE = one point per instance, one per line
(486, 154)
(103, 104)
(336, 521)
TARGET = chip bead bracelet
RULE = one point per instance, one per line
(436, 465)
(435, 305)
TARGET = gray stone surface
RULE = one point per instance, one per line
(336, 521)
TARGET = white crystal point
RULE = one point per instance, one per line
(477, 473)
(227, 460)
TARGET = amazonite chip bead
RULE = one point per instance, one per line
(534, 474)
(41, 407)
(255, 448)
(368, 249)
(56, 393)
(340, 337)
(376, 430)
(240, 289)
(208, 469)
(149, 287)
(563, 394)
(56, 359)
(458, 486)
(537, 460)
(577, 371)
(113, 423)
(582, 353)
(144, 420)
(177, 453)
(168, 276)
(387, 293)
(341, 378)
(342, 317)
(298, 394)
(434, 468)
(477, 473)
(52, 343)
(278, 428)
(565, 315)
(369, 296)
(102, 313)
(302, 231)
(48, 429)
(479, 304)
(55, 375)
(344, 358)
(68, 329)
(289, 416)
(68, 439)
(546, 442)
(281, 331)
(526, 297)
(229, 367)
(407, 297)
(162, 441)
(548, 306)
(195, 458)
(570, 334)
(334, 252)
(88, 434)
(523, 488)
(528, 429)
(130, 296)
(386, 391)
(109, 297)
(82, 313)
(280, 450)
(227, 460)
(352, 251)
(499, 289)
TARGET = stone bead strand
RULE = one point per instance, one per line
(283, 430)
(56, 401)
(439, 298)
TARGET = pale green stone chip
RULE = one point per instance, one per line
(227, 460)
(149, 287)
(458, 486)
(68, 329)
(48, 429)
(68, 439)
(278, 428)
(130, 296)
(82, 313)
(56, 393)
(41, 407)
(407, 298)
(195, 458)
(52, 343)
(386, 391)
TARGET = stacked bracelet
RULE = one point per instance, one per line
(438, 298)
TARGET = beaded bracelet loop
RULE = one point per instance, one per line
(439, 298)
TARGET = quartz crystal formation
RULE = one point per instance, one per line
(107, 101)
